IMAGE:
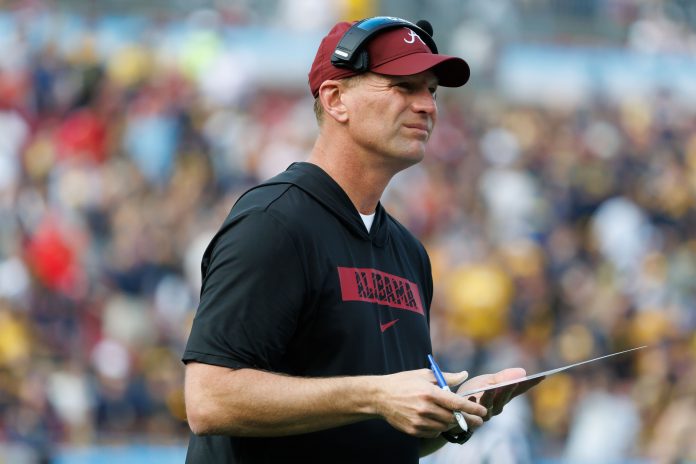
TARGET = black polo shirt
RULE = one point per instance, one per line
(294, 283)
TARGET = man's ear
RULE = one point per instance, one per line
(330, 95)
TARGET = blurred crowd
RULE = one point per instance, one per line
(556, 235)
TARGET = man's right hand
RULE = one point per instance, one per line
(412, 402)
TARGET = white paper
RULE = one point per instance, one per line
(545, 373)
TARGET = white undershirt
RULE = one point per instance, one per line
(367, 219)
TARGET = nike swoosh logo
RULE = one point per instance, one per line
(386, 325)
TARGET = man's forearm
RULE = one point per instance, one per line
(248, 402)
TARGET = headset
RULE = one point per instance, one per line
(350, 52)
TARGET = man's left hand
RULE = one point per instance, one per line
(494, 400)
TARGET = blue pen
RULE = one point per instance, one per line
(443, 385)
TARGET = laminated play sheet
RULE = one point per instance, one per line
(544, 374)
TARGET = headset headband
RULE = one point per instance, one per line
(350, 52)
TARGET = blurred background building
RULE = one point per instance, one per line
(556, 201)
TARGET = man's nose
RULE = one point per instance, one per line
(424, 102)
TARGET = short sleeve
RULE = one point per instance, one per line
(252, 296)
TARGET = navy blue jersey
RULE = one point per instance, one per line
(294, 283)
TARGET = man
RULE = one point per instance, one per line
(311, 339)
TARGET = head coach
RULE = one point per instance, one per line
(311, 338)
